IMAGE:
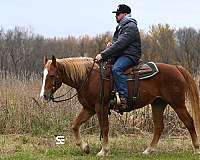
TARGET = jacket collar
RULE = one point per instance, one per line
(126, 20)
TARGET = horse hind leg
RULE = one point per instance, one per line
(158, 107)
(185, 117)
(83, 116)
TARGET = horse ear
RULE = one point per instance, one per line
(53, 60)
(45, 60)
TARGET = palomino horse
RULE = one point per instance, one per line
(169, 86)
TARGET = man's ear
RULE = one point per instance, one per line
(45, 60)
(53, 61)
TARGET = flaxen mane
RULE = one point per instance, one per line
(76, 68)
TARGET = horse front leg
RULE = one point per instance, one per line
(104, 125)
(83, 116)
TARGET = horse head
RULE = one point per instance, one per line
(52, 79)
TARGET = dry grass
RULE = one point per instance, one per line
(21, 111)
(23, 115)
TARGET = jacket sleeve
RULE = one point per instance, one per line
(124, 39)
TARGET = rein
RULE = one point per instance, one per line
(101, 98)
(62, 100)
(81, 87)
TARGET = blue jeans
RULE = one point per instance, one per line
(121, 64)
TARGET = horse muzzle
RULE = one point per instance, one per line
(47, 97)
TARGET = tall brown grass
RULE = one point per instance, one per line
(22, 111)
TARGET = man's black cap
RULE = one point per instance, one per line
(122, 8)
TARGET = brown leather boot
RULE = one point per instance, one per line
(124, 104)
(122, 107)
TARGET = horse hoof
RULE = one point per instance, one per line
(148, 151)
(103, 153)
(197, 151)
(87, 149)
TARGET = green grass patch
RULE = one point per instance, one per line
(22, 147)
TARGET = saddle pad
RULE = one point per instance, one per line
(146, 70)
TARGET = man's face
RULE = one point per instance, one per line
(119, 16)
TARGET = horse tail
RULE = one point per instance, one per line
(193, 95)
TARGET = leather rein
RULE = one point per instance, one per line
(54, 99)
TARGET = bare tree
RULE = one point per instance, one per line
(21, 51)
(188, 40)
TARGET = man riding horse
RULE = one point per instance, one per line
(169, 86)
(125, 50)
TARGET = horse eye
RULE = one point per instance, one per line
(51, 76)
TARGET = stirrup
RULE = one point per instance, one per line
(118, 100)
(122, 107)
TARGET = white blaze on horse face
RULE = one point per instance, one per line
(43, 82)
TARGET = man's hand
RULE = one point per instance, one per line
(109, 44)
(98, 57)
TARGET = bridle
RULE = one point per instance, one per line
(54, 88)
